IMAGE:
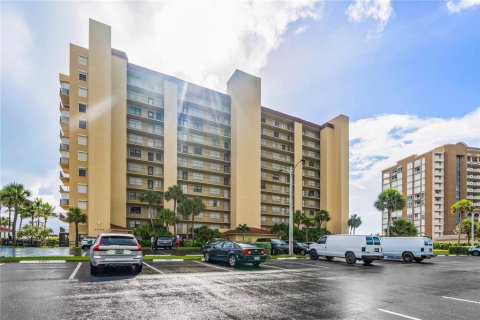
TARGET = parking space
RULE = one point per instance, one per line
(440, 288)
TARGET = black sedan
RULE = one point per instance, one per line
(474, 251)
(210, 243)
(235, 253)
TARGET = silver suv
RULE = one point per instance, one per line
(115, 250)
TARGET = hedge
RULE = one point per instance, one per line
(458, 249)
(447, 245)
(265, 245)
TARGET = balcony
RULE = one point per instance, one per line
(64, 203)
(64, 122)
(65, 177)
(64, 189)
(64, 163)
(64, 134)
(64, 147)
(64, 107)
(64, 95)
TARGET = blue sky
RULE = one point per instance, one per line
(407, 73)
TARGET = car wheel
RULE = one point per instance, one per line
(367, 262)
(207, 257)
(407, 257)
(302, 252)
(476, 253)
(232, 261)
(138, 268)
(350, 258)
(93, 269)
(418, 260)
(313, 255)
(329, 258)
(256, 264)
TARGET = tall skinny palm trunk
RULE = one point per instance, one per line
(193, 228)
(186, 233)
(76, 234)
(389, 221)
(175, 224)
(150, 213)
(14, 226)
(10, 220)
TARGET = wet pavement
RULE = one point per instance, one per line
(441, 288)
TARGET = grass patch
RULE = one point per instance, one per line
(66, 258)
(442, 252)
(287, 256)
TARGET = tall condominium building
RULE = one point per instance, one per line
(126, 129)
(431, 183)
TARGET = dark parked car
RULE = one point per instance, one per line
(209, 243)
(235, 253)
(474, 251)
(163, 242)
(300, 248)
(278, 246)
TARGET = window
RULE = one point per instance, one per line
(82, 107)
(263, 120)
(82, 60)
(158, 156)
(322, 240)
(135, 110)
(215, 166)
(214, 190)
(82, 156)
(311, 163)
(150, 114)
(135, 181)
(184, 175)
(82, 140)
(135, 124)
(150, 184)
(276, 134)
(226, 181)
(215, 142)
(214, 154)
(197, 176)
(275, 176)
(82, 188)
(226, 145)
(135, 138)
(197, 125)
(214, 215)
(214, 179)
(82, 204)
(135, 210)
(82, 92)
(150, 156)
(82, 124)
(151, 101)
(214, 203)
(150, 171)
(263, 185)
(133, 195)
(185, 149)
(197, 163)
(82, 76)
(134, 223)
(82, 172)
(136, 167)
(197, 138)
(159, 116)
(135, 153)
(197, 151)
(277, 124)
(197, 188)
(226, 157)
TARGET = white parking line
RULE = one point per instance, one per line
(167, 260)
(84, 254)
(464, 300)
(307, 264)
(153, 268)
(74, 273)
(211, 266)
(399, 314)
(1, 264)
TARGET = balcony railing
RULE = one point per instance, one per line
(64, 147)
(64, 175)
(64, 160)
(65, 91)
(64, 119)
(64, 189)
(64, 202)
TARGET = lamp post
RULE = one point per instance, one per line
(291, 172)
(472, 231)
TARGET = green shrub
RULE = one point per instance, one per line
(458, 249)
(190, 244)
(265, 245)
(447, 245)
(145, 243)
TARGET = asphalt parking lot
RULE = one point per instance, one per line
(441, 288)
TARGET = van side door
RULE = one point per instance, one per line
(322, 246)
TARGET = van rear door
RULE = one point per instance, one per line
(373, 246)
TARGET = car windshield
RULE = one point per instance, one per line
(164, 238)
(277, 241)
(117, 241)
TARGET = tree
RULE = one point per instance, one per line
(166, 217)
(322, 216)
(37, 208)
(25, 211)
(75, 215)
(281, 229)
(461, 208)
(15, 195)
(298, 217)
(354, 222)
(4, 222)
(7, 202)
(466, 228)
(391, 200)
(176, 194)
(307, 223)
(243, 228)
(402, 228)
(197, 207)
(47, 211)
(186, 208)
(152, 199)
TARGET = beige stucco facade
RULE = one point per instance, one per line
(126, 129)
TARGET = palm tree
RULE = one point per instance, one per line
(153, 199)
(26, 211)
(4, 222)
(7, 202)
(185, 207)
(353, 223)
(307, 222)
(75, 215)
(47, 211)
(16, 195)
(461, 207)
(243, 228)
(37, 209)
(166, 217)
(391, 200)
(298, 217)
(403, 228)
(176, 194)
(322, 216)
(197, 207)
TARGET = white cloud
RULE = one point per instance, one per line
(378, 10)
(203, 42)
(378, 142)
(457, 6)
(16, 42)
(300, 30)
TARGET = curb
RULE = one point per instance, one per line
(292, 258)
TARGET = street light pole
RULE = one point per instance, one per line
(472, 231)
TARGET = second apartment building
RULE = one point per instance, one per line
(126, 129)
(431, 183)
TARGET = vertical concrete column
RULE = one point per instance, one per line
(99, 128)
(170, 137)
(119, 142)
(298, 177)
(334, 173)
(245, 92)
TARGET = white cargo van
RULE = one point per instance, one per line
(350, 247)
(407, 248)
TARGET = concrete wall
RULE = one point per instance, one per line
(170, 137)
(298, 177)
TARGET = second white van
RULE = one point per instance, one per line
(407, 248)
(350, 247)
